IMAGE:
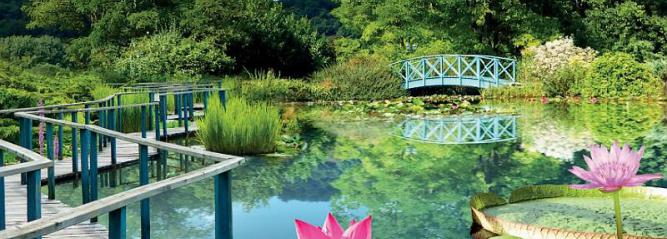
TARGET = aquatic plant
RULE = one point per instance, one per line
(333, 230)
(610, 171)
(242, 127)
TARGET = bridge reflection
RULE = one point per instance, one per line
(479, 129)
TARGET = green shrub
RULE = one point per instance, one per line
(157, 57)
(240, 128)
(620, 75)
(360, 78)
(30, 51)
(563, 82)
(269, 87)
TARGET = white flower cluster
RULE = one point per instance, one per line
(552, 55)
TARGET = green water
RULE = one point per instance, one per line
(413, 189)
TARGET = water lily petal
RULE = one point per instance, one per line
(360, 230)
(307, 231)
(583, 174)
(331, 227)
(584, 186)
(639, 180)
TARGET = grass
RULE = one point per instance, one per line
(242, 128)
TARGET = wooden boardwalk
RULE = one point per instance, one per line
(16, 194)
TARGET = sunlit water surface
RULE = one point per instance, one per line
(412, 187)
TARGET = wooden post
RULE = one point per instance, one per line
(75, 151)
(49, 154)
(205, 100)
(177, 100)
(186, 112)
(85, 186)
(93, 169)
(112, 125)
(143, 179)
(150, 109)
(191, 99)
(25, 135)
(163, 109)
(223, 206)
(34, 195)
(120, 112)
(157, 122)
(3, 212)
(118, 224)
(61, 131)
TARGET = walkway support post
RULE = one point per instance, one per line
(223, 206)
(49, 154)
(3, 212)
(143, 179)
(163, 114)
(61, 131)
(25, 139)
(85, 144)
(93, 169)
(118, 224)
(75, 150)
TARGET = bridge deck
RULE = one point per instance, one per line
(16, 194)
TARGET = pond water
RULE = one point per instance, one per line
(416, 185)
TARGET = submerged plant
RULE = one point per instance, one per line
(241, 127)
(333, 230)
(610, 171)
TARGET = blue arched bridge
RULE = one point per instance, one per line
(479, 71)
(479, 129)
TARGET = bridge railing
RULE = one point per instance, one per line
(459, 70)
(92, 138)
(460, 130)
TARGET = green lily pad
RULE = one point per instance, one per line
(555, 211)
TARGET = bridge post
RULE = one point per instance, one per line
(205, 99)
(144, 180)
(25, 138)
(496, 76)
(222, 94)
(85, 186)
(163, 109)
(177, 99)
(49, 154)
(186, 112)
(93, 169)
(223, 206)
(3, 212)
(34, 195)
(459, 74)
(75, 149)
(61, 131)
(119, 103)
(406, 65)
(118, 224)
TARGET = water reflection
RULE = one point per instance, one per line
(469, 129)
(413, 189)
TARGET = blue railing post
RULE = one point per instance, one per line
(3, 212)
(75, 150)
(85, 186)
(119, 103)
(61, 132)
(34, 195)
(49, 154)
(192, 106)
(223, 205)
(496, 75)
(118, 224)
(186, 112)
(151, 99)
(163, 109)
(205, 99)
(143, 179)
(25, 139)
(93, 169)
(179, 112)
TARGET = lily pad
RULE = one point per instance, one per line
(555, 211)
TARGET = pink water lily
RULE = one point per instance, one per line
(612, 170)
(333, 230)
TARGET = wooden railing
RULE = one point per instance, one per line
(94, 138)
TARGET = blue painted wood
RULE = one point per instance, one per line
(163, 114)
(34, 195)
(49, 154)
(93, 169)
(186, 112)
(144, 122)
(3, 212)
(61, 132)
(157, 122)
(145, 203)
(191, 106)
(85, 186)
(75, 145)
(179, 111)
(112, 140)
(479, 129)
(223, 205)
(222, 95)
(119, 103)
(118, 224)
(25, 139)
(479, 71)
(205, 100)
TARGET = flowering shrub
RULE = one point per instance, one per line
(553, 55)
(620, 75)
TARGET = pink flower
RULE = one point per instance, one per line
(56, 147)
(612, 170)
(333, 230)
(40, 134)
(544, 100)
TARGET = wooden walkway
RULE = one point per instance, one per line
(16, 194)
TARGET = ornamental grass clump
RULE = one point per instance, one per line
(611, 171)
(242, 127)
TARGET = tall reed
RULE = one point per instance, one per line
(240, 128)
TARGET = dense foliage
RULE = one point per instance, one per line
(239, 127)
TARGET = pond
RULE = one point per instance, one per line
(416, 185)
